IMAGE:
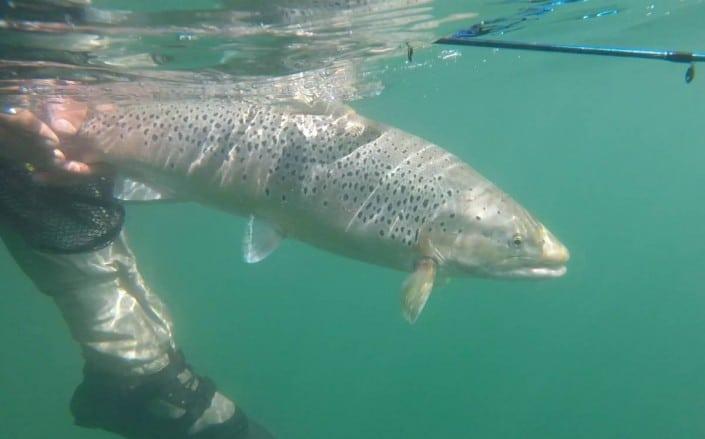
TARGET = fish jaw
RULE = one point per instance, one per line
(485, 233)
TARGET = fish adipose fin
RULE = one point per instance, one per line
(417, 289)
(261, 239)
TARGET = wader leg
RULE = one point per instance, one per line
(122, 327)
(135, 382)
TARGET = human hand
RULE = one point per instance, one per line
(25, 138)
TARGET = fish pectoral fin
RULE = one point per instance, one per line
(261, 239)
(126, 189)
(417, 289)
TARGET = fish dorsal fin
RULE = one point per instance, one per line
(417, 289)
(126, 189)
(261, 239)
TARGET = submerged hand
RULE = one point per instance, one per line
(26, 138)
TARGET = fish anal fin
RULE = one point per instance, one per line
(261, 239)
(417, 289)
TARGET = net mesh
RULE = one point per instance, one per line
(74, 218)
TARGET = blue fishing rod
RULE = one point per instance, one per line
(664, 55)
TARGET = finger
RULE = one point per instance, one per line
(63, 127)
(58, 155)
(24, 126)
(67, 117)
(24, 120)
(63, 173)
(69, 166)
(74, 167)
(20, 145)
(47, 132)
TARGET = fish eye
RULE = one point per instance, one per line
(517, 240)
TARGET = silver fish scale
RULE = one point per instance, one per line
(393, 186)
(373, 182)
(228, 138)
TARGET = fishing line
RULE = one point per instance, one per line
(676, 56)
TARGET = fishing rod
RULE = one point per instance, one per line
(664, 55)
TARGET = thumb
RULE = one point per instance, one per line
(66, 117)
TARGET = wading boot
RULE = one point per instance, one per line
(173, 403)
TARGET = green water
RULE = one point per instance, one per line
(608, 153)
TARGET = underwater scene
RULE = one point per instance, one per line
(357, 232)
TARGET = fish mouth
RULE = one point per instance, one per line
(549, 264)
(538, 272)
(523, 268)
(552, 260)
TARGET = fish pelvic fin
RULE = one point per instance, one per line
(133, 191)
(417, 289)
(260, 241)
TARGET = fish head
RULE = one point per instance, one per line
(483, 232)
